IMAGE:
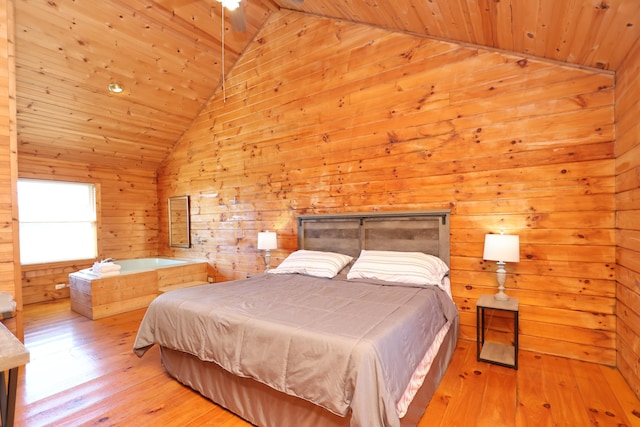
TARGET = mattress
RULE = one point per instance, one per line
(351, 348)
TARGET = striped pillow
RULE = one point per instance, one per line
(313, 263)
(415, 268)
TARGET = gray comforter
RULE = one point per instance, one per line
(340, 344)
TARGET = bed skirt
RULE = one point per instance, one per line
(263, 406)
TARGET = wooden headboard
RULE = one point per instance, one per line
(410, 231)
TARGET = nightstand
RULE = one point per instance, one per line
(493, 352)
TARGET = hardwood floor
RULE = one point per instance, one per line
(84, 373)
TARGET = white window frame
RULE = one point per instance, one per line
(58, 221)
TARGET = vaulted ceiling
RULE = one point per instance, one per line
(168, 57)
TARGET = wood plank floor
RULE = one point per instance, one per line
(84, 373)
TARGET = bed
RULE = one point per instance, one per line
(331, 337)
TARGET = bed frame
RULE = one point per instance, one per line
(424, 231)
(410, 231)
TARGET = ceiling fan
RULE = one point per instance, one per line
(236, 12)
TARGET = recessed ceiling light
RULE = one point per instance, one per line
(115, 88)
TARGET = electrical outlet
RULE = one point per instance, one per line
(61, 286)
(210, 279)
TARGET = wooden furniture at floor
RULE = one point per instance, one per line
(494, 352)
(13, 354)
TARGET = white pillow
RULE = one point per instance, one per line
(405, 267)
(313, 263)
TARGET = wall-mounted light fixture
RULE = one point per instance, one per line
(267, 240)
(502, 248)
(115, 88)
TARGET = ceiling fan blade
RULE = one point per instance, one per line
(238, 20)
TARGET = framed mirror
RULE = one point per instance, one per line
(179, 228)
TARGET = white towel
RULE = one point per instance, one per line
(106, 274)
(105, 267)
(89, 272)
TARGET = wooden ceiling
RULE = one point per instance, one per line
(167, 55)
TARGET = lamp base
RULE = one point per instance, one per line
(267, 260)
(501, 275)
(501, 296)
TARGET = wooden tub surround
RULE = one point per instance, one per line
(96, 298)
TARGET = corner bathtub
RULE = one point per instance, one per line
(139, 282)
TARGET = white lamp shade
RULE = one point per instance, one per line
(501, 247)
(267, 240)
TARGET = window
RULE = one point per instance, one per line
(57, 221)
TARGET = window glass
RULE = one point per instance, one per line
(57, 221)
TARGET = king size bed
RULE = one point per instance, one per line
(355, 328)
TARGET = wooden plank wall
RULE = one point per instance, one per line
(628, 217)
(323, 116)
(9, 269)
(128, 226)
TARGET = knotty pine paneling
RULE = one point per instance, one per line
(168, 56)
(372, 120)
(165, 54)
(9, 270)
(628, 218)
(596, 33)
(128, 224)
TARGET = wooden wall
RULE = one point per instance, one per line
(349, 118)
(628, 217)
(9, 249)
(128, 226)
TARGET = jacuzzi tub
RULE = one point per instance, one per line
(139, 282)
(142, 264)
